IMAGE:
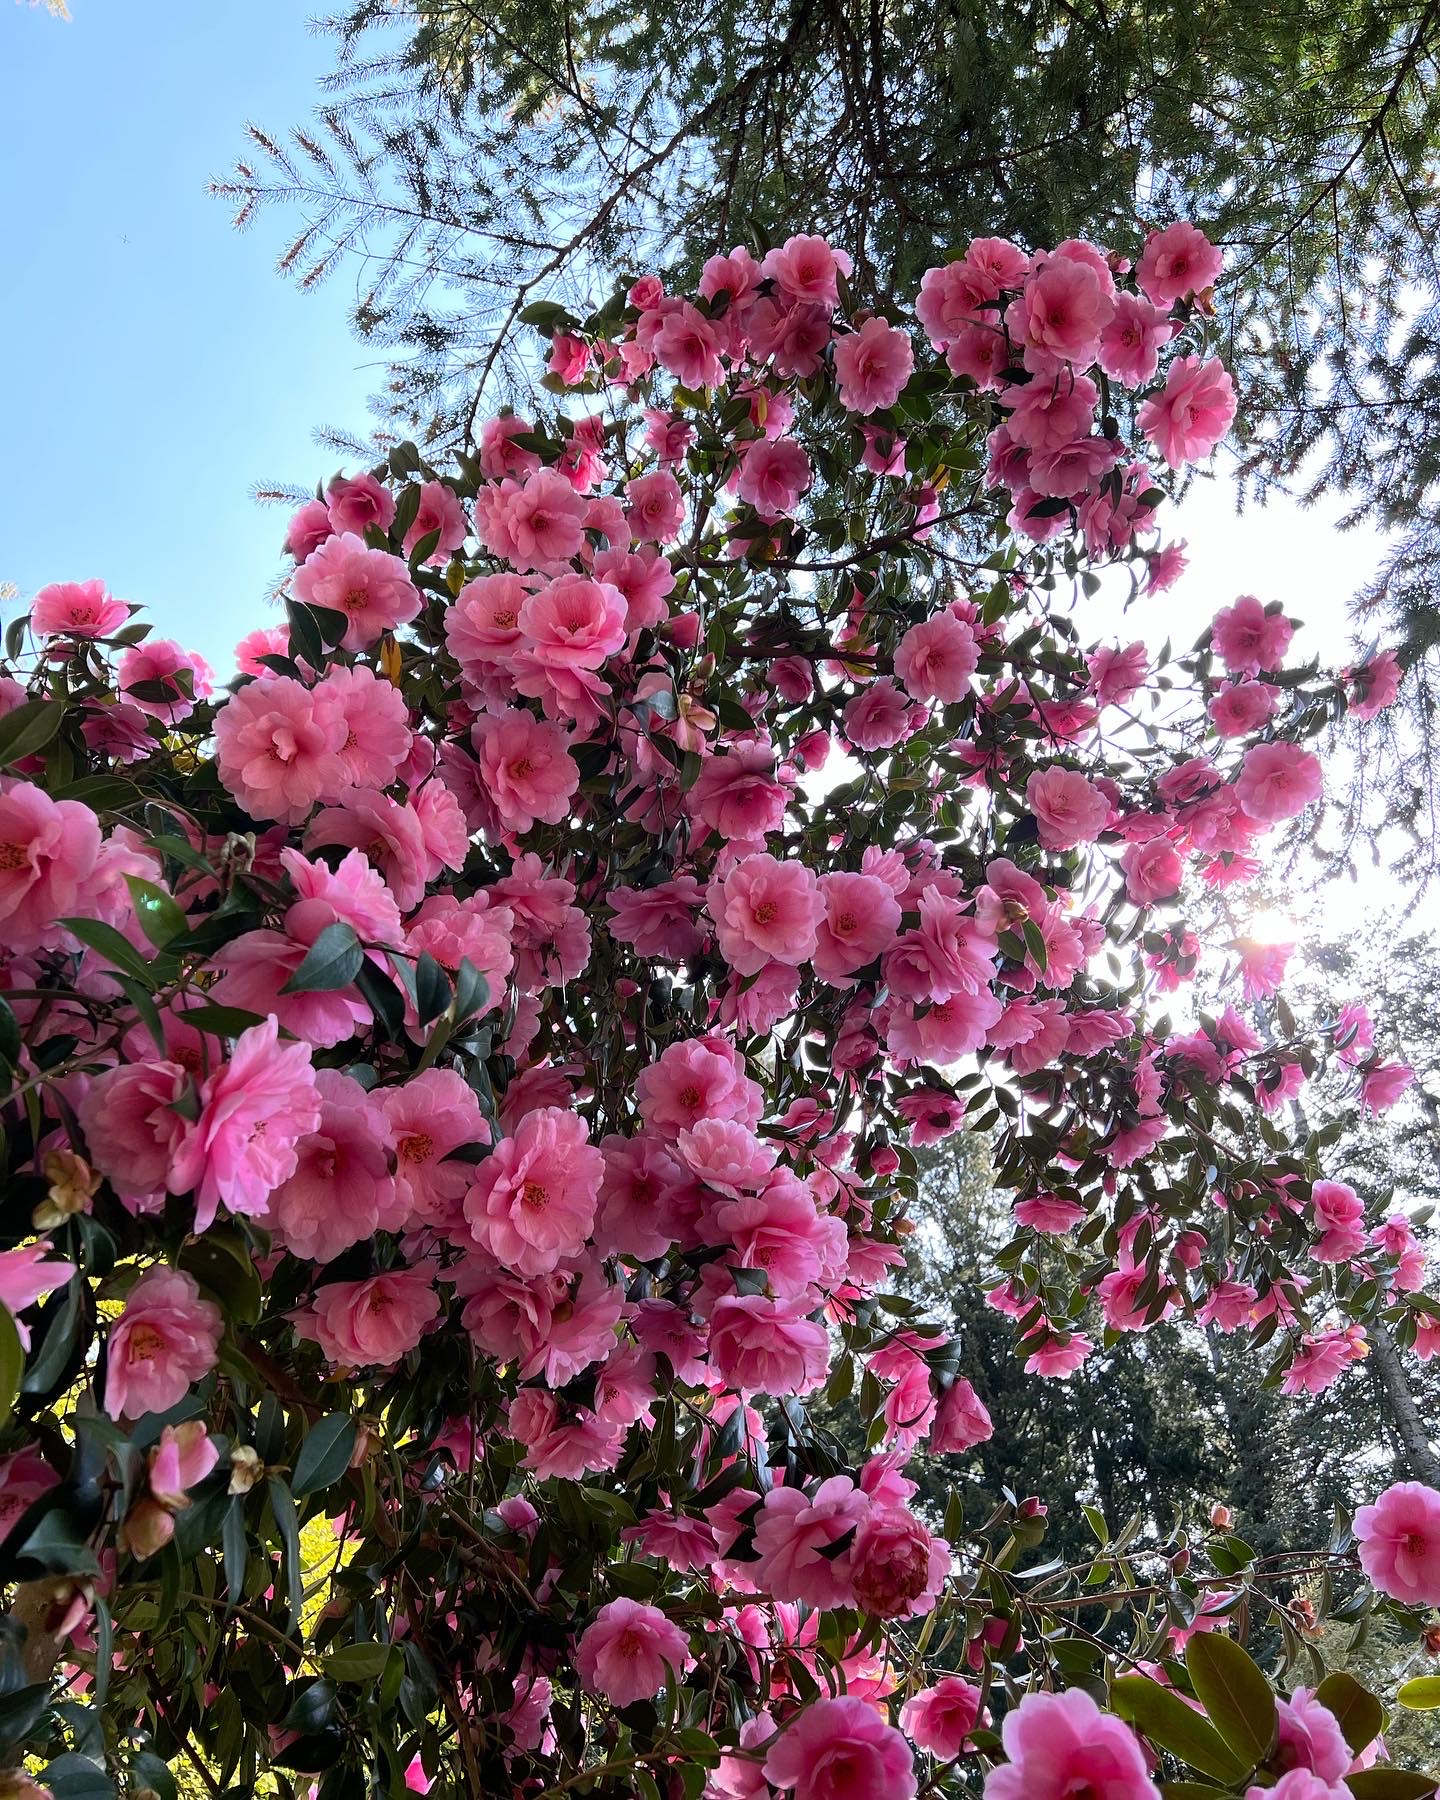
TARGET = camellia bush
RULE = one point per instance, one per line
(462, 1086)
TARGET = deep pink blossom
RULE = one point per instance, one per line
(1399, 1538)
(872, 366)
(1191, 414)
(533, 1198)
(841, 1750)
(630, 1651)
(1060, 1745)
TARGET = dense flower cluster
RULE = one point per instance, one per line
(465, 1078)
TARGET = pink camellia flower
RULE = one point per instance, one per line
(253, 1112)
(1063, 310)
(533, 1198)
(268, 640)
(133, 1125)
(48, 851)
(655, 507)
(307, 531)
(1154, 870)
(353, 503)
(526, 766)
(738, 795)
(278, 748)
(765, 911)
(387, 831)
(841, 1750)
(879, 717)
(430, 1115)
(933, 1114)
(763, 1346)
(1247, 638)
(181, 1460)
(167, 1339)
(536, 523)
(572, 623)
(1194, 410)
(360, 1323)
(773, 476)
(687, 346)
(1301, 1784)
(861, 919)
(1243, 707)
(26, 1274)
(936, 658)
(439, 512)
(1068, 809)
(77, 609)
(659, 921)
(630, 1651)
(697, 1078)
(1061, 1745)
(872, 366)
(1374, 685)
(807, 269)
(940, 1718)
(897, 1567)
(1382, 1084)
(500, 455)
(1178, 262)
(961, 1420)
(377, 735)
(182, 676)
(1399, 1538)
(370, 587)
(1117, 675)
(482, 628)
(727, 1156)
(24, 1477)
(1131, 343)
(1277, 781)
(796, 1539)
(1310, 1737)
(342, 1189)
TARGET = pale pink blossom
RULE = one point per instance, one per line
(356, 502)
(841, 1750)
(940, 1718)
(1178, 262)
(371, 588)
(1060, 1745)
(526, 766)
(253, 1111)
(1068, 809)
(936, 658)
(48, 852)
(77, 609)
(165, 1341)
(1188, 418)
(533, 1198)
(1277, 781)
(1399, 1539)
(375, 1321)
(26, 1273)
(763, 1346)
(772, 477)
(278, 748)
(765, 911)
(1248, 637)
(630, 1651)
(872, 366)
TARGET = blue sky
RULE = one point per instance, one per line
(155, 364)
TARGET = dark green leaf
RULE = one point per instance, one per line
(1234, 1692)
(357, 1662)
(1391, 1784)
(12, 1364)
(29, 728)
(158, 915)
(324, 1456)
(72, 1777)
(106, 941)
(1164, 1718)
(332, 961)
(288, 1525)
(1358, 1713)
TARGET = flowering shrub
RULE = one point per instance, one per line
(464, 1083)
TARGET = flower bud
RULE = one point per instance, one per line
(1221, 1517)
(148, 1527)
(246, 1469)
